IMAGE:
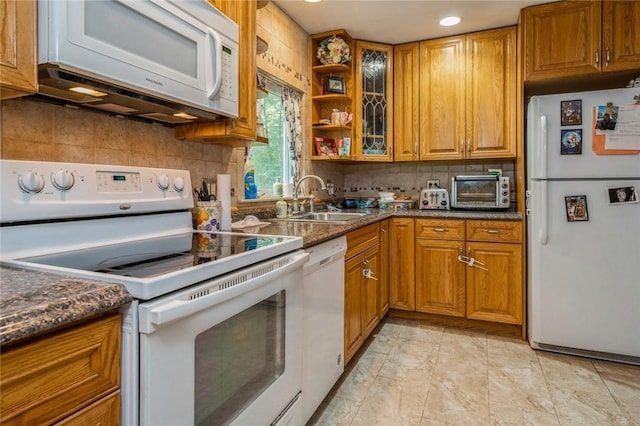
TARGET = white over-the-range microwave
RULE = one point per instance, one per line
(164, 60)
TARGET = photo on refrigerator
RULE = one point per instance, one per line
(627, 194)
(571, 113)
(571, 142)
(576, 208)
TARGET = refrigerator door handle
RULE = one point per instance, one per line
(543, 210)
(543, 146)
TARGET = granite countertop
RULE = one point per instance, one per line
(313, 233)
(32, 303)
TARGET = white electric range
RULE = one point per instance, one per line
(203, 300)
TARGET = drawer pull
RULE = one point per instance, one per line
(494, 231)
(439, 229)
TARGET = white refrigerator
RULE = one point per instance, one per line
(583, 225)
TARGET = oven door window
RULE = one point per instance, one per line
(476, 192)
(237, 359)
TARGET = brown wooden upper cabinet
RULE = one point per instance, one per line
(373, 114)
(566, 39)
(406, 93)
(18, 75)
(465, 97)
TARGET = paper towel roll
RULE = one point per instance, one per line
(224, 196)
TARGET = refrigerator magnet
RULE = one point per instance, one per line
(623, 195)
(576, 208)
(571, 142)
(571, 112)
(606, 118)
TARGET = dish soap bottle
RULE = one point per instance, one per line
(277, 188)
(281, 208)
(250, 189)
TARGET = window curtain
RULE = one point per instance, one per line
(293, 129)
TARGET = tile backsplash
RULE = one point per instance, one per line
(39, 131)
(362, 181)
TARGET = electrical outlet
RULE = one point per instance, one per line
(433, 183)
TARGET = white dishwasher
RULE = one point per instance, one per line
(323, 322)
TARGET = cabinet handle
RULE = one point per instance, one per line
(415, 148)
(607, 57)
(493, 231)
(468, 145)
(462, 145)
(439, 229)
(597, 57)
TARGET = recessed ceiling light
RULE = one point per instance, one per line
(450, 21)
(313, 1)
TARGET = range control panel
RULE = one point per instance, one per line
(34, 190)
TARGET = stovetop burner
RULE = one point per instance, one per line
(157, 256)
(151, 267)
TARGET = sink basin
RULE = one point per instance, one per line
(324, 217)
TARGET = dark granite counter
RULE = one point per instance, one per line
(32, 303)
(316, 232)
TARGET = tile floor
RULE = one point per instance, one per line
(411, 373)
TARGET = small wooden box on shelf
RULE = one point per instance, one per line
(327, 99)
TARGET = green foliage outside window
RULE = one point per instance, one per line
(269, 160)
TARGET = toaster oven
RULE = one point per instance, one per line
(483, 192)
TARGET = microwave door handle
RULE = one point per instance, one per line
(216, 50)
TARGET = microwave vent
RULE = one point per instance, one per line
(56, 83)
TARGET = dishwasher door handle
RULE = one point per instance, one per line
(325, 260)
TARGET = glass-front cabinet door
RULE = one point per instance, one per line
(373, 116)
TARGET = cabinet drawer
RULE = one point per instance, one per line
(440, 229)
(105, 412)
(361, 239)
(54, 376)
(495, 231)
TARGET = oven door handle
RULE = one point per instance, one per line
(155, 316)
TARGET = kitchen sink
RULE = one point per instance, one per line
(334, 217)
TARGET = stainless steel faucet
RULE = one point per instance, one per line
(297, 186)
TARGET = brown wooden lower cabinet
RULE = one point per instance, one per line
(440, 277)
(401, 264)
(362, 293)
(441, 284)
(384, 268)
(495, 294)
(72, 377)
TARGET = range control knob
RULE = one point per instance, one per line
(63, 180)
(31, 182)
(178, 184)
(163, 182)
